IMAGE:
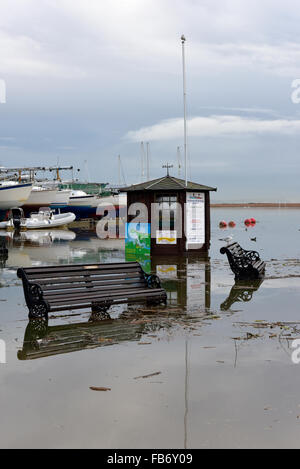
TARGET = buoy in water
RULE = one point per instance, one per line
(222, 224)
(232, 224)
(247, 222)
(252, 221)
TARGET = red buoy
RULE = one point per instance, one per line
(232, 224)
(247, 222)
(222, 224)
(252, 221)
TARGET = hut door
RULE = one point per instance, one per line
(167, 233)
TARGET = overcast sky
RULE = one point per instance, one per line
(90, 79)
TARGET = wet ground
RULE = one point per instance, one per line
(211, 370)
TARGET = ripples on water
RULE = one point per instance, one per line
(222, 349)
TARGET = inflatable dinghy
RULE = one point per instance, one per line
(44, 219)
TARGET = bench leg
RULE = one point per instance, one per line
(157, 301)
(100, 310)
(99, 316)
(38, 311)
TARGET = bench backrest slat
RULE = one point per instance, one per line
(80, 285)
(75, 280)
(81, 267)
(90, 274)
(83, 279)
(106, 288)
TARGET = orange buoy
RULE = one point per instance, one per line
(222, 224)
(232, 224)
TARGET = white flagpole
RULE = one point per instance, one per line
(184, 107)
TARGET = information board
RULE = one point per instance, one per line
(195, 218)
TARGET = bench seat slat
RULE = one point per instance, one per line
(116, 300)
(93, 296)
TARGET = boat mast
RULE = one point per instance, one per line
(148, 160)
(142, 161)
(119, 170)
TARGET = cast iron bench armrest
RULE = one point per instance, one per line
(35, 290)
(252, 255)
(153, 281)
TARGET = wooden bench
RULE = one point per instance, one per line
(88, 286)
(244, 264)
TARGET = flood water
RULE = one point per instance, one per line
(218, 356)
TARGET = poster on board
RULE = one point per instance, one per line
(166, 237)
(195, 218)
(137, 240)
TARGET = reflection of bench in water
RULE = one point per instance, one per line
(41, 340)
(241, 292)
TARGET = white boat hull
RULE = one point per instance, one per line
(39, 221)
(115, 200)
(83, 201)
(40, 198)
(61, 198)
(14, 195)
(61, 219)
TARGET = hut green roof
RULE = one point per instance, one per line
(167, 183)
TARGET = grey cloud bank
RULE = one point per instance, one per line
(81, 76)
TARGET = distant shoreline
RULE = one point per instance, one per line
(256, 205)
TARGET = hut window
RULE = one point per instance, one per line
(167, 209)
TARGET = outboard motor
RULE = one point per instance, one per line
(16, 215)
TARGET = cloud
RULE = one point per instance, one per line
(281, 59)
(22, 55)
(247, 110)
(68, 39)
(214, 126)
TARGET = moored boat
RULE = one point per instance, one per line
(44, 219)
(39, 197)
(83, 205)
(13, 194)
(61, 199)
